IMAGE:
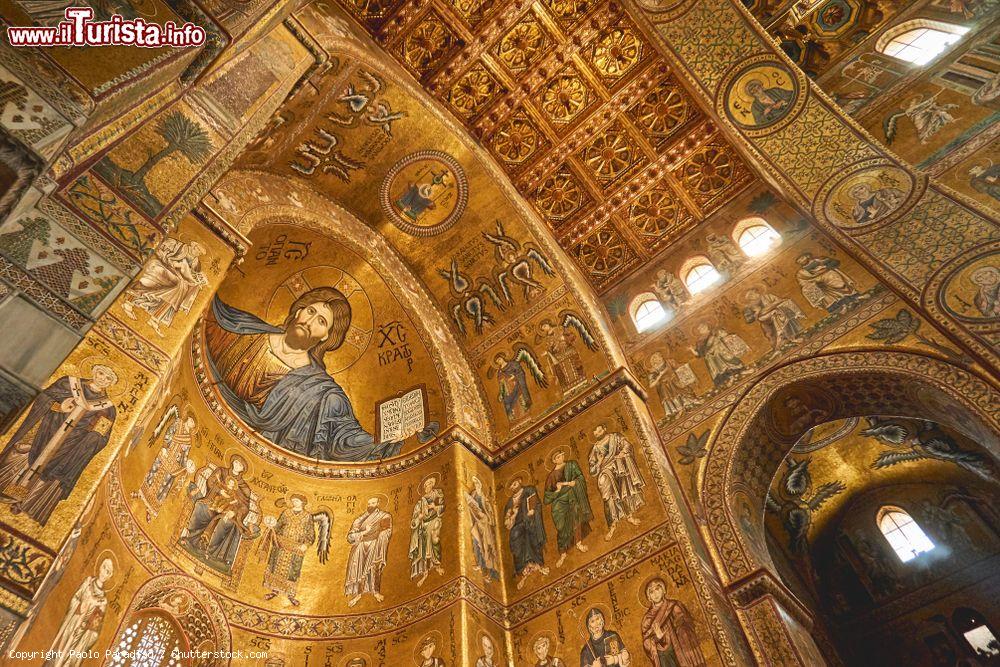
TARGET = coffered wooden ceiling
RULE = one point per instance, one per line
(581, 111)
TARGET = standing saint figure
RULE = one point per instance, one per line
(522, 515)
(171, 461)
(602, 647)
(823, 284)
(83, 619)
(225, 514)
(669, 638)
(169, 284)
(68, 424)
(275, 380)
(484, 527)
(425, 532)
(289, 537)
(369, 539)
(670, 291)
(777, 317)
(488, 657)
(566, 495)
(721, 351)
(542, 648)
(613, 464)
(675, 393)
(426, 650)
(724, 254)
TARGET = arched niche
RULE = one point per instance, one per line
(761, 428)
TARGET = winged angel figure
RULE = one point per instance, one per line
(928, 118)
(288, 537)
(794, 507)
(919, 441)
(512, 378)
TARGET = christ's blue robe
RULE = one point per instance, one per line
(306, 411)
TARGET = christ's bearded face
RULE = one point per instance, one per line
(310, 326)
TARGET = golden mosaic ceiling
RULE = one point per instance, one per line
(581, 111)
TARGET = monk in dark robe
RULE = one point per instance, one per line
(523, 518)
(274, 377)
(566, 495)
(218, 523)
(68, 424)
(602, 647)
(668, 634)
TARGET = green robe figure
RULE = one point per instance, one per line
(566, 494)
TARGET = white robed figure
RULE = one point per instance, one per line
(369, 539)
(83, 620)
(613, 464)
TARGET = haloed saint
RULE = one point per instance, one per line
(274, 378)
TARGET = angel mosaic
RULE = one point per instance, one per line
(917, 441)
(287, 538)
(928, 117)
(560, 349)
(516, 263)
(169, 283)
(512, 379)
(225, 514)
(172, 462)
(794, 506)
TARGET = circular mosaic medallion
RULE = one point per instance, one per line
(762, 96)
(867, 196)
(425, 193)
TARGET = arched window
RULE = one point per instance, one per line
(919, 41)
(150, 641)
(647, 312)
(902, 533)
(755, 237)
(699, 274)
(976, 631)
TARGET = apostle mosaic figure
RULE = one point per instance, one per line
(669, 638)
(542, 648)
(769, 103)
(484, 524)
(369, 539)
(871, 204)
(83, 620)
(987, 296)
(612, 463)
(602, 647)
(273, 377)
(522, 516)
(778, 318)
(824, 284)
(488, 657)
(426, 651)
(225, 514)
(672, 383)
(721, 351)
(670, 291)
(69, 422)
(425, 532)
(169, 284)
(566, 496)
(287, 540)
